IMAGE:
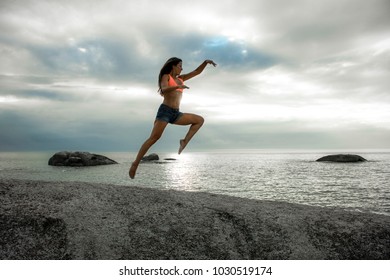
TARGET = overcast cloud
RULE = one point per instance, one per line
(300, 74)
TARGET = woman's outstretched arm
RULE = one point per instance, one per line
(198, 70)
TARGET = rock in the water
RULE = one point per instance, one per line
(79, 159)
(342, 158)
(151, 157)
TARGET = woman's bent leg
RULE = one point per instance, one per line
(196, 123)
(157, 131)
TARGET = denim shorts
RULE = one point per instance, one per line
(168, 114)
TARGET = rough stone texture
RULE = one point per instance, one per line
(342, 158)
(78, 159)
(32, 237)
(64, 220)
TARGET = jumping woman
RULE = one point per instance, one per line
(171, 86)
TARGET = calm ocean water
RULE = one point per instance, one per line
(282, 176)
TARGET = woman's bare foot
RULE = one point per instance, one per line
(182, 145)
(132, 170)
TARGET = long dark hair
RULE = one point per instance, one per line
(166, 69)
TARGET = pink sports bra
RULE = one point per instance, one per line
(172, 83)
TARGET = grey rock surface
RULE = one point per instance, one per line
(68, 220)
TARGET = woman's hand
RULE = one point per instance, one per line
(208, 61)
(198, 70)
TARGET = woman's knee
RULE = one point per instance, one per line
(200, 120)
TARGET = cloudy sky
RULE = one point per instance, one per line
(292, 74)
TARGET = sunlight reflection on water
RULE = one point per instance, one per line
(292, 177)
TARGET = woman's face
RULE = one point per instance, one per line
(178, 68)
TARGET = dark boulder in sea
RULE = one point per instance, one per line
(77, 159)
(151, 157)
(342, 158)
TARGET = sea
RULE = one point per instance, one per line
(289, 176)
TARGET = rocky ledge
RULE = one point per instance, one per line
(68, 220)
(342, 158)
(78, 159)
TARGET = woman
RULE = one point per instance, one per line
(171, 86)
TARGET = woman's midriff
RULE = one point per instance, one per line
(173, 99)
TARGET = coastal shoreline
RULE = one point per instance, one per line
(75, 220)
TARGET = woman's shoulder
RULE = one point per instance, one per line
(166, 76)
